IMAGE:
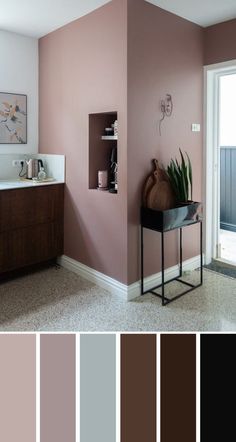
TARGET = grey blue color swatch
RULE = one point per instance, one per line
(98, 388)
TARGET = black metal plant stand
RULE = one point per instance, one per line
(163, 222)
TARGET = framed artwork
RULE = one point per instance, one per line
(13, 118)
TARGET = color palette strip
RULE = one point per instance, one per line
(106, 387)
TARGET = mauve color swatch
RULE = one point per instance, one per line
(178, 388)
(17, 388)
(98, 388)
(138, 388)
(218, 387)
(57, 353)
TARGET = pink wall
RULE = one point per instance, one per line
(83, 69)
(220, 42)
(165, 55)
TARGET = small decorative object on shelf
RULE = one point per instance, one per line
(102, 180)
(113, 188)
(109, 131)
(103, 148)
(116, 128)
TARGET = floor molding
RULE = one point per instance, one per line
(126, 292)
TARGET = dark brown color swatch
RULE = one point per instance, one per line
(138, 388)
(178, 388)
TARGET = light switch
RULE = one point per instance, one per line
(196, 127)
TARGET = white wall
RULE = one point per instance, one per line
(19, 74)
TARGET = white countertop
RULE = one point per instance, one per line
(19, 184)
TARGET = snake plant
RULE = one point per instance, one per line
(180, 175)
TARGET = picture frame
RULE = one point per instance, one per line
(13, 118)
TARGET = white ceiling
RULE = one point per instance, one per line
(36, 18)
(202, 12)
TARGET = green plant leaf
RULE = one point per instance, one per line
(190, 174)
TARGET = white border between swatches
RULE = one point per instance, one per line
(158, 387)
(118, 390)
(37, 387)
(198, 387)
(77, 386)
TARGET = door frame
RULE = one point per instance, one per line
(211, 154)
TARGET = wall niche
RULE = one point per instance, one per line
(103, 152)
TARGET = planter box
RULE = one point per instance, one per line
(165, 220)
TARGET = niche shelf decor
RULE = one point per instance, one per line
(103, 143)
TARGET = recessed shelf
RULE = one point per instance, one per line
(109, 137)
(102, 149)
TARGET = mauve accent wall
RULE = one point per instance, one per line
(83, 70)
(165, 55)
(220, 42)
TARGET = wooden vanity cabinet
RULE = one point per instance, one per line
(31, 226)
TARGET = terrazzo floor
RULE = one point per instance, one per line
(58, 300)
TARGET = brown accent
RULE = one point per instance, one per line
(31, 226)
(138, 388)
(178, 388)
(219, 42)
(161, 195)
(149, 182)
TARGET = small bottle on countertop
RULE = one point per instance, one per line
(41, 174)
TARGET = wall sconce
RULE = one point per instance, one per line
(166, 109)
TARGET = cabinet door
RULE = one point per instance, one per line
(30, 245)
(27, 207)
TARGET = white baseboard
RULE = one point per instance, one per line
(126, 292)
(104, 281)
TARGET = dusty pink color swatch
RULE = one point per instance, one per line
(57, 361)
(17, 388)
